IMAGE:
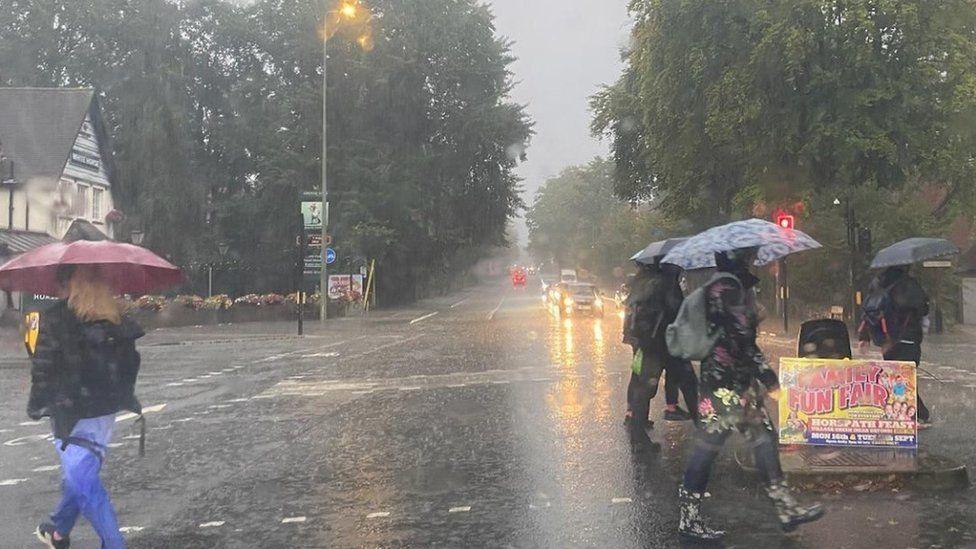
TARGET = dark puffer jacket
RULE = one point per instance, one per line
(82, 369)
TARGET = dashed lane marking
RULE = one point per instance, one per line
(456, 385)
(114, 445)
(147, 410)
(212, 524)
(378, 514)
(131, 529)
(13, 481)
(459, 303)
(425, 317)
(46, 468)
(543, 505)
(20, 441)
(491, 315)
(175, 384)
(6, 430)
(292, 520)
(621, 500)
(30, 423)
(461, 509)
(410, 388)
(238, 400)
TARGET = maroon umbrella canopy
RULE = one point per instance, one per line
(127, 268)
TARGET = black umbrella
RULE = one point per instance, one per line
(913, 250)
(656, 250)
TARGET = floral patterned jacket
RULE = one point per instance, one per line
(736, 361)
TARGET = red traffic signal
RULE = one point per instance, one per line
(785, 221)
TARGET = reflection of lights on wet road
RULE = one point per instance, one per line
(598, 335)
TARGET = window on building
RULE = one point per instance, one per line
(81, 201)
(97, 204)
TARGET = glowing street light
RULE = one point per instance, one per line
(351, 11)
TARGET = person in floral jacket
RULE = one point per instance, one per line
(735, 378)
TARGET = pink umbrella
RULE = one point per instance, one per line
(128, 268)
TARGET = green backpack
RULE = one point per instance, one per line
(691, 336)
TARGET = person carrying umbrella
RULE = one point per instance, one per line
(735, 376)
(893, 314)
(84, 366)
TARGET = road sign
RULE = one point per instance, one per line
(312, 215)
(937, 264)
(330, 256)
(315, 240)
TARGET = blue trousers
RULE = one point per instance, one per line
(82, 492)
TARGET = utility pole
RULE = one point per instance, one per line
(324, 278)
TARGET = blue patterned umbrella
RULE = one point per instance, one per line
(773, 241)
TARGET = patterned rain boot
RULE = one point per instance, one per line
(692, 526)
(791, 513)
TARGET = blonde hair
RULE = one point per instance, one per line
(91, 298)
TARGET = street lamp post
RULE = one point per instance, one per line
(324, 276)
(348, 10)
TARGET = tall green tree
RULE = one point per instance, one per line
(577, 222)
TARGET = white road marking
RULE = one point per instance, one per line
(12, 481)
(30, 423)
(20, 441)
(379, 514)
(621, 500)
(387, 345)
(456, 385)
(332, 354)
(291, 520)
(212, 524)
(46, 468)
(459, 303)
(362, 392)
(501, 382)
(131, 437)
(422, 318)
(491, 315)
(238, 400)
(273, 358)
(229, 370)
(6, 430)
(461, 509)
(147, 410)
(410, 388)
(131, 529)
(114, 444)
(190, 380)
(219, 406)
(184, 420)
(175, 384)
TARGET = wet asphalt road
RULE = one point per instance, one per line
(476, 420)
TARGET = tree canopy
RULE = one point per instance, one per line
(216, 109)
(577, 222)
(725, 105)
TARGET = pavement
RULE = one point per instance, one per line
(474, 420)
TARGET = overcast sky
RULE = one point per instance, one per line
(566, 50)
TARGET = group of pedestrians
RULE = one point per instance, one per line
(735, 380)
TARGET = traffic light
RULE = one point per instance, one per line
(785, 221)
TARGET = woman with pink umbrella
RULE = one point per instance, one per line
(84, 365)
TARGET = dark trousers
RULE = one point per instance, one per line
(643, 387)
(706, 450)
(679, 376)
(910, 352)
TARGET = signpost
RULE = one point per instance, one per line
(851, 403)
(330, 256)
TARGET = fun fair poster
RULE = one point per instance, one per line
(847, 403)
